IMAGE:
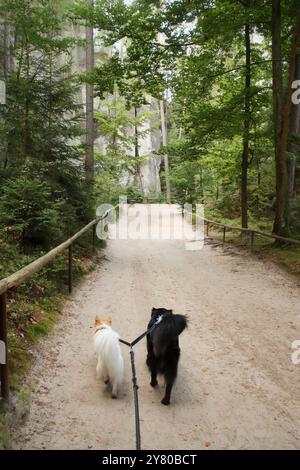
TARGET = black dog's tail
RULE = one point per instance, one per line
(180, 322)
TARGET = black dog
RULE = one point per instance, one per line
(163, 348)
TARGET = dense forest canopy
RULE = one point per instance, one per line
(222, 74)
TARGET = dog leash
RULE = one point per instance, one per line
(134, 379)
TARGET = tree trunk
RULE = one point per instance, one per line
(280, 164)
(258, 184)
(7, 63)
(90, 131)
(137, 152)
(166, 157)
(26, 141)
(7, 51)
(281, 225)
(291, 147)
(246, 133)
(201, 191)
(217, 191)
(258, 174)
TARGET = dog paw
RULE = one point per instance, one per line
(153, 383)
(165, 401)
(106, 381)
(114, 396)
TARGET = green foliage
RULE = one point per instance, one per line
(185, 179)
(43, 195)
(42, 328)
(107, 188)
(122, 130)
(26, 211)
(134, 194)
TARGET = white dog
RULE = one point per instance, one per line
(110, 365)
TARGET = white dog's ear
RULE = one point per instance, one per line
(97, 320)
(109, 320)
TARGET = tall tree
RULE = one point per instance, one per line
(166, 156)
(7, 57)
(90, 130)
(280, 161)
(247, 119)
(282, 114)
(292, 146)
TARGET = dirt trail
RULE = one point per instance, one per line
(237, 387)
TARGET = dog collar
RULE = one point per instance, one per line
(102, 327)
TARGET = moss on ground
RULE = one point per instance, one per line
(5, 442)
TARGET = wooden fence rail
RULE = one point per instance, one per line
(26, 273)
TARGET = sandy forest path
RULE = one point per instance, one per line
(237, 387)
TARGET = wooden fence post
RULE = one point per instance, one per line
(224, 233)
(94, 237)
(70, 270)
(3, 338)
(252, 240)
(207, 228)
